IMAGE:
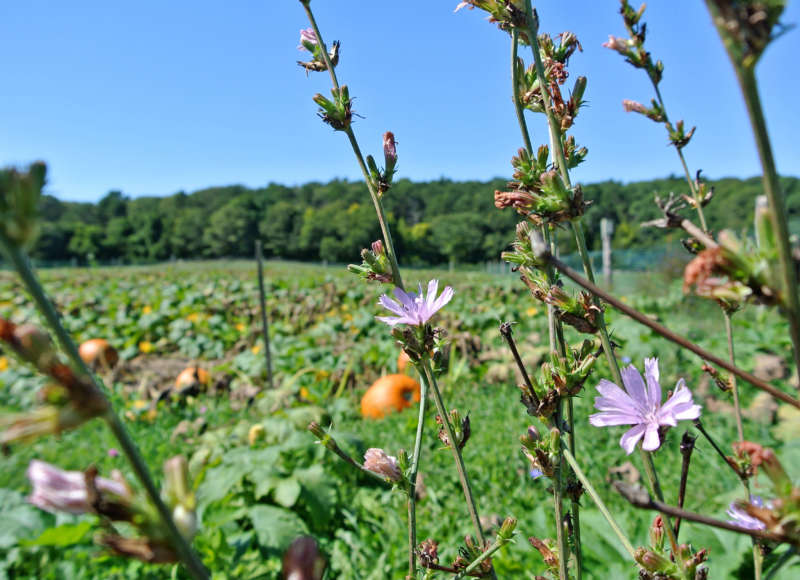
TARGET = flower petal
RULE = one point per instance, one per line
(653, 386)
(631, 437)
(632, 380)
(611, 418)
(680, 406)
(651, 441)
(446, 296)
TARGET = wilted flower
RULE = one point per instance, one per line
(412, 307)
(744, 520)
(640, 406)
(377, 461)
(57, 490)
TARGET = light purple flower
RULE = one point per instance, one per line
(640, 406)
(307, 37)
(113, 452)
(378, 461)
(413, 307)
(57, 490)
(744, 520)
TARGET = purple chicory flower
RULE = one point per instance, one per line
(640, 406)
(113, 452)
(307, 38)
(744, 520)
(412, 307)
(534, 473)
(57, 490)
(378, 461)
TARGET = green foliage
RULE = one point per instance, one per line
(433, 222)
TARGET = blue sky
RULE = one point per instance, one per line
(156, 97)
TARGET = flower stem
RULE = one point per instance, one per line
(747, 83)
(412, 480)
(626, 543)
(734, 385)
(488, 553)
(376, 198)
(264, 320)
(460, 467)
(523, 125)
(667, 333)
(689, 180)
(132, 453)
(652, 477)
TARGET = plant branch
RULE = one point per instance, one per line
(412, 480)
(132, 453)
(665, 332)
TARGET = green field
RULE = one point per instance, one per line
(327, 348)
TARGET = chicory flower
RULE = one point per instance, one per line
(414, 308)
(640, 405)
(56, 490)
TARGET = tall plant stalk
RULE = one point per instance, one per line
(556, 336)
(745, 75)
(127, 445)
(426, 376)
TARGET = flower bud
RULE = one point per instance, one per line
(34, 345)
(651, 561)
(377, 461)
(657, 533)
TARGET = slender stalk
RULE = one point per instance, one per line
(652, 477)
(376, 198)
(558, 507)
(132, 453)
(488, 553)
(264, 321)
(785, 557)
(687, 447)
(412, 478)
(556, 336)
(518, 108)
(558, 155)
(758, 560)
(644, 501)
(460, 467)
(668, 334)
(505, 331)
(734, 385)
(626, 543)
(679, 151)
(745, 74)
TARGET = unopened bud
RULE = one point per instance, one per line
(657, 533)
(651, 561)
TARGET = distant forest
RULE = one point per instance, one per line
(433, 222)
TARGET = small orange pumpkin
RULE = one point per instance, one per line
(387, 394)
(191, 376)
(98, 353)
(402, 361)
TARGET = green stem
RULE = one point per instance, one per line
(785, 557)
(460, 467)
(264, 320)
(734, 385)
(132, 453)
(652, 477)
(488, 553)
(626, 543)
(518, 108)
(749, 87)
(376, 198)
(412, 479)
(685, 165)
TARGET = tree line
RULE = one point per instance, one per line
(434, 222)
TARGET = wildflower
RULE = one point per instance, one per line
(57, 490)
(308, 40)
(640, 406)
(744, 520)
(377, 461)
(412, 307)
(113, 452)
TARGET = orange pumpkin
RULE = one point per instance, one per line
(191, 376)
(387, 394)
(402, 361)
(98, 353)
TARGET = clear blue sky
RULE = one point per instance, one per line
(155, 97)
